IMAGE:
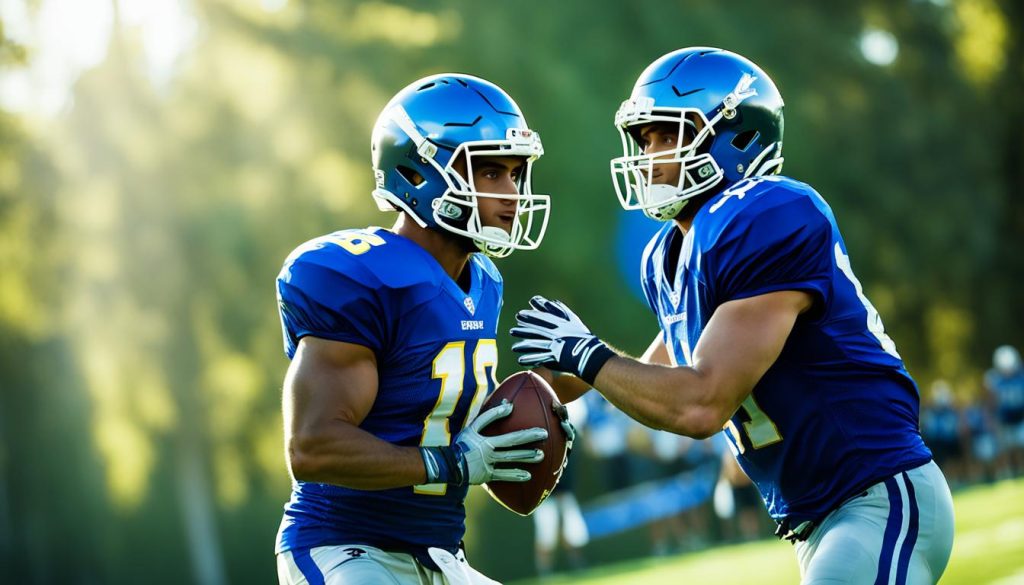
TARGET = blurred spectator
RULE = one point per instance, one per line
(1005, 383)
(673, 455)
(736, 497)
(667, 534)
(605, 440)
(981, 429)
(558, 521)
(944, 431)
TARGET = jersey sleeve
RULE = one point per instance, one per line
(777, 247)
(491, 272)
(322, 295)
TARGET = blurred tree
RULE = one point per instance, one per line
(46, 476)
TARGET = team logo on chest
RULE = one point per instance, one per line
(469, 305)
(673, 297)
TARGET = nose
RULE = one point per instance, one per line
(508, 204)
(507, 186)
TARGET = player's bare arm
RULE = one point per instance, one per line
(568, 387)
(727, 364)
(695, 401)
(328, 391)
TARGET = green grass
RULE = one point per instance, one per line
(988, 548)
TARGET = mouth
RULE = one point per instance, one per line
(507, 218)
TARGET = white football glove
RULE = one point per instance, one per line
(553, 336)
(472, 456)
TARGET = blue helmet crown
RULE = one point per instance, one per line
(729, 106)
(430, 124)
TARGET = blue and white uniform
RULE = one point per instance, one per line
(837, 413)
(436, 356)
(1007, 390)
(940, 425)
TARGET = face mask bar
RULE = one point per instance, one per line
(632, 172)
(531, 211)
(531, 219)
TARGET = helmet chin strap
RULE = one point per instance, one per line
(495, 234)
(659, 193)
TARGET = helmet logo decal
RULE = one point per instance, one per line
(742, 92)
(448, 209)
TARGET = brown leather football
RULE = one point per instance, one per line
(533, 405)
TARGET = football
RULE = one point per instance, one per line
(533, 405)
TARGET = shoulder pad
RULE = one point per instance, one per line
(374, 256)
(735, 212)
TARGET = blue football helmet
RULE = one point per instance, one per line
(728, 107)
(429, 125)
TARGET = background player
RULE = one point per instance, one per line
(766, 328)
(392, 339)
(1005, 385)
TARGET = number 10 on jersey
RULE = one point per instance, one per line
(450, 367)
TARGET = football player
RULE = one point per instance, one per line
(1005, 384)
(391, 335)
(765, 329)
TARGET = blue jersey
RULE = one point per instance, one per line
(977, 420)
(837, 411)
(436, 358)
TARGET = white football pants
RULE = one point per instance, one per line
(901, 532)
(358, 564)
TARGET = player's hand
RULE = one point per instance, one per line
(552, 335)
(472, 457)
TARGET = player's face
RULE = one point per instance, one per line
(655, 138)
(664, 137)
(495, 174)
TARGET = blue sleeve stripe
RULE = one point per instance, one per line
(308, 566)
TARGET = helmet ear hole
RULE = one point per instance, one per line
(414, 178)
(743, 139)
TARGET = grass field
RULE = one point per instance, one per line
(989, 548)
